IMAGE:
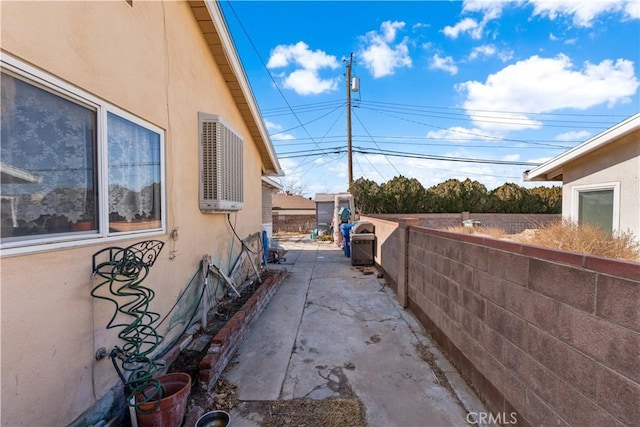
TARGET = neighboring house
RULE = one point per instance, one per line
(600, 178)
(116, 118)
(294, 213)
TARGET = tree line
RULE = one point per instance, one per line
(407, 195)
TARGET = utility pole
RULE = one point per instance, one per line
(349, 149)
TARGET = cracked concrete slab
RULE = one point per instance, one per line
(332, 332)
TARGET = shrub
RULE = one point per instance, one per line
(585, 238)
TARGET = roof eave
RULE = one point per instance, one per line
(223, 51)
(552, 169)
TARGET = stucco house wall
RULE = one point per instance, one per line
(608, 161)
(616, 163)
(152, 60)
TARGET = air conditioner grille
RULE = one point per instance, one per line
(221, 186)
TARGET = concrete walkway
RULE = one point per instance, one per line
(331, 330)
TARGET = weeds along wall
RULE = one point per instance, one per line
(551, 336)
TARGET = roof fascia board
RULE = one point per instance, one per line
(555, 164)
(234, 62)
(272, 183)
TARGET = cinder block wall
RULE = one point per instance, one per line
(386, 252)
(294, 223)
(510, 223)
(551, 335)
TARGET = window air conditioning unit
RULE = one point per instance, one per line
(221, 188)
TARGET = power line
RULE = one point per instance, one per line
(360, 150)
(333, 140)
(244, 30)
(376, 144)
(530, 113)
(310, 121)
(503, 121)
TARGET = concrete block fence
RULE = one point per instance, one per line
(510, 223)
(549, 336)
(225, 343)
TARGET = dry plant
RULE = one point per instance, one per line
(569, 236)
(584, 238)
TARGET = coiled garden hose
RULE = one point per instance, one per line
(122, 275)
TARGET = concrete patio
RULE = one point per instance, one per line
(333, 330)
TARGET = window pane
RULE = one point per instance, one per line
(134, 176)
(48, 179)
(596, 208)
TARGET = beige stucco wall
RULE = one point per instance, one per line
(150, 60)
(615, 162)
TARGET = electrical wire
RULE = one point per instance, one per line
(273, 80)
(376, 144)
(238, 237)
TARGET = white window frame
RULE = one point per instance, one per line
(59, 87)
(585, 188)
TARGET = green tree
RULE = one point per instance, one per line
(512, 198)
(402, 195)
(454, 195)
(549, 198)
(366, 196)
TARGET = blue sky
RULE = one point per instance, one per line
(443, 84)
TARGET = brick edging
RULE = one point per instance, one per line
(225, 343)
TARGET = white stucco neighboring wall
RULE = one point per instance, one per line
(615, 166)
(608, 161)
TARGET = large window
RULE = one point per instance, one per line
(597, 205)
(55, 144)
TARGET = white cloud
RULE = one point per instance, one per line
(510, 158)
(484, 50)
(446, 64)
(461, 134)
(272, 126)
(547, 84)
(467, 25)
(573, 136)
(308, 82)
(305, 80)
(389, 30)
(275, 132)
(279, 136)
(505, 55)
(491, 9)
(380, 55)
(300, 54)
(582, 12)
(552, 37)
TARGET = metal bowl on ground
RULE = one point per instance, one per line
(214, 419)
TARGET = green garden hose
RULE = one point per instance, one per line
(122, 274)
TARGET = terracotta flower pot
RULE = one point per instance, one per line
(170, 412)
(82, 226)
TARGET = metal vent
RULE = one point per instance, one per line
(221, 188)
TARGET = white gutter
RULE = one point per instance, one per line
(553, 167)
